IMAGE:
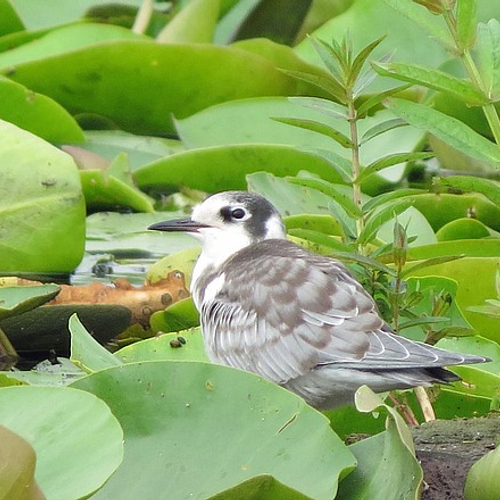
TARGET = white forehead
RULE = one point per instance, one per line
(210, 209)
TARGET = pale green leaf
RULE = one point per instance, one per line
(446, 128)
(466, 23)
(433, 79)
(389, 161)
(320, 128)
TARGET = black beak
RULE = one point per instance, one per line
(186, 225)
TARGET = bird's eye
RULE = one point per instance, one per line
(238, 213)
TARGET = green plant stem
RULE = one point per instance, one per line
(489, 110)
(356, 168)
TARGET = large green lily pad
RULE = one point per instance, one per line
(204, 428)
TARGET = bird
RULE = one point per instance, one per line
(299, 319)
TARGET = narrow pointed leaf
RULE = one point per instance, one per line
(434, 261)
(389, 161)
(360, 60)
(320, 128)
(329, 85)
(433, 79)
(330, 55)
(448, 129)
(341, 165)
(387, 197)
(490, 189)
(377, 99)
(488, 48)
(324, 106)
(364, 260)
(338, 193)
(381, 128)
(466, 23)
(381, 217)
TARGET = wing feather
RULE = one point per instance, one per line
(281, 311)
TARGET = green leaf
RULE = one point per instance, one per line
(195, 23)
(42, 210)
(160, 348)
(490, 189)
(427, 263)
(388, 454)
(383, 198)
(488, 47)
(481, 480)
(72, 432)
(342, 165)
(329, 85)
(197, 168)
(466, 23)
(446, 128)
(360, 60)
(17, 468)
(320, 128)
(113, 188)
(389, 161)
(86, 352)
(341, 194)
(380, 217)
(463, 229)
(183, 261)
(261, 20)
(332, 57)
(324, 106)
(377, 99)
(438, 297)
(37, 114)
(433, 79)
(93, 74)
(10, 22)
(191, 420)
(19, 299)
(381, 128)
(179, 316)
(318, 238)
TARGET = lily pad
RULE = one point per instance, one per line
(42, 210)
(204, 428)
(72, 432)
(37, 114)
(122, 79)
(179, 316)
(18, 299)
(162, 348)
(222, 168)
(113, 188)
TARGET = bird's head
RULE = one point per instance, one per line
(229, 221)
